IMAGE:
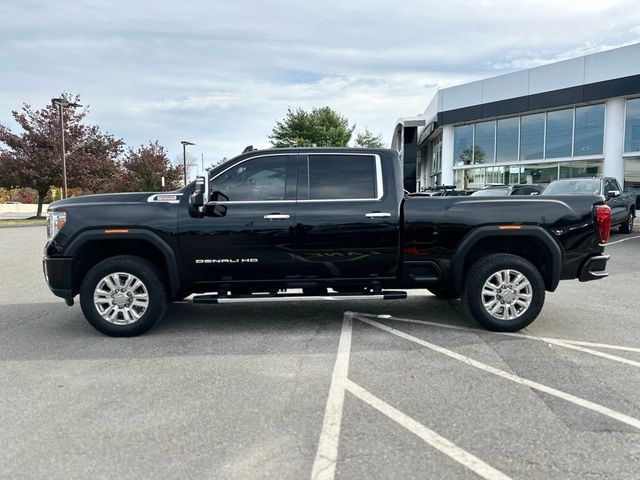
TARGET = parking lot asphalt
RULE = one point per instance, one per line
(357, 389)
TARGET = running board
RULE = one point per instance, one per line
(287, 297)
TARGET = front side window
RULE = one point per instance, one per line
(341, 177)
(259, 179)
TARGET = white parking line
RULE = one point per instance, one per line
(438, 442)
(324, 466)
(590, 351)
(556, 341)
(601, 409)
(623, 240)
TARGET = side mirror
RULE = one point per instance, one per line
(613, 194)
(196, 200)
(219, 197)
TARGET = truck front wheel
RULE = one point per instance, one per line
(123, 296)
(504, 292)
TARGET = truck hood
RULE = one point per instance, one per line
(111, 198)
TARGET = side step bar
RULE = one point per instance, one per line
(286, 297)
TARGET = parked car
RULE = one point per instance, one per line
(439, 191)
(507, 190)
(623, 205)
(313, 219)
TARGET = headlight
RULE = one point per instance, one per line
(55, 222)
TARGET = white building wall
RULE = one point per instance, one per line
(613, 138)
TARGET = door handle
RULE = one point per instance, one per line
(377, 214)
(277, 216)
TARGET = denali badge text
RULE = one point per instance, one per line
(226, 260)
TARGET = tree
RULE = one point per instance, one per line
(367, 139)
(143, 169)
(322, 127)
(33, 158)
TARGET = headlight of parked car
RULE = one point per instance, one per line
(55, 222)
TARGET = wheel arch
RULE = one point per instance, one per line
(91, 247)
(533, 243)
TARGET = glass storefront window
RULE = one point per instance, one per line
(485, 137)
(507, 139)
(580, 169)
(589, 131)
(470, 178)
(463, 145)
(540, 173)
(559, 133)
(532, 136)
(632, 126)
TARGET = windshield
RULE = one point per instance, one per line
(491, 192)
(583, 186)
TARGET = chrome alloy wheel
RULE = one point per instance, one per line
(506, 294)
(121, 298)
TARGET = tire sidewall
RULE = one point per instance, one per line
(627, 226)
(146, 272)
(478, 275)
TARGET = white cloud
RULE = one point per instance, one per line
(221, 73)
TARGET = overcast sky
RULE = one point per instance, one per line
(220, 73)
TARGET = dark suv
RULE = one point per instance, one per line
(507, 190)
(623, 205)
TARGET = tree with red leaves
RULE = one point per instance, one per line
(33, 158)
(142, 170)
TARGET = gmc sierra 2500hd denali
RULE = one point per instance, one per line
(316, 219)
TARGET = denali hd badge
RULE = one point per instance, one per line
(226, 260)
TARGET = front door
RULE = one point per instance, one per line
(347, 217)
(247, 233)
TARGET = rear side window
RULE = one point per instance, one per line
(341, 177)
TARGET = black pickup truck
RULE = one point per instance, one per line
(311, 224)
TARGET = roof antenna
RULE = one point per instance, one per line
(249, 148)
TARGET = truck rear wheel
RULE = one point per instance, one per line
(504, 292)
(123, 296)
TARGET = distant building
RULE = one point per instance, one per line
(575, 118)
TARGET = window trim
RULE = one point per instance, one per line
(379, 179)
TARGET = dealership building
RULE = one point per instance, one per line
(574, 118)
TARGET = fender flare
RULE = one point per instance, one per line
(526, 231)
(133, 234)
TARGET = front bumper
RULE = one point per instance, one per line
(57, 273)
(594, 268)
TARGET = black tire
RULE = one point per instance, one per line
(627, 226)
(445, 293)
(482, 271)
(152, 281)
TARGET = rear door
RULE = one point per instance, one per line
(347, 218)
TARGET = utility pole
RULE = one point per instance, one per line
(184, 158)
(60, 103)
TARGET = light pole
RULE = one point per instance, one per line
(60, 103)
(184, 158)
